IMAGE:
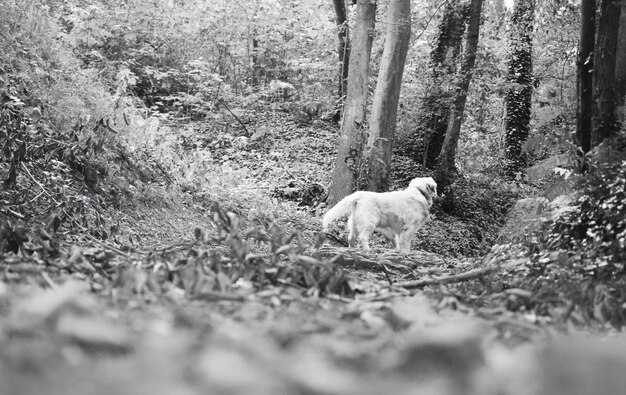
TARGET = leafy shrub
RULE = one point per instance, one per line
(260, 255)
(180, 58)
(477, 201)
(595, 230)
(57, 133)
(578, 251)
(475, 211)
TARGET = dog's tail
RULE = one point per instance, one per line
(340, 210)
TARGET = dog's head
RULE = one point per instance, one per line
(427, 186)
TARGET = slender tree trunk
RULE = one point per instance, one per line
(254, 60)
(446, 161)
(343, 50)
(353, 127)
(620, 62)
(584, 78)
(443, 61)
(385, 103)
(605, 122)
(520, 78)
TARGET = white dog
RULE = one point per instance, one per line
(397, 215)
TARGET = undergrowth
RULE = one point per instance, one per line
(574, 247)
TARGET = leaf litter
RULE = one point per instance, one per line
(64, 336)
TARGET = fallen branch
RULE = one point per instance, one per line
(109, 247)
(457, 278)
(175, 247)
(223, 103)
(371, 260)
(218, 296)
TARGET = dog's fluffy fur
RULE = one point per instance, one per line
(397, 215)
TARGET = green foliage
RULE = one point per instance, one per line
(479, 201)
(38, 68)
(594, 231)
(236, 259)
(576, 249)
(58, 136)
(183, 58)
(44, 173)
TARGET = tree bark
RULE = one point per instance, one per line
(443, 61)
(605, 122)
(375, 176)
(520, 78)
(620, 62)
(584, 76)
(343, 50)
(446, 160)
(352, 140)
(254, 61)
(424, 145)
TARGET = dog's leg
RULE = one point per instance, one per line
(366, 228)
(364, 238)
(405, 239)
(352, 235)
(397, 240)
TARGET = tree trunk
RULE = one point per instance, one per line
(620, 62)
(520, 78)
(605, 122)
(446, 161)
(443, 61)
(424, 145)
(352, 140)
(385, 103)
(343, 50)
(254, 61)
(584, 78)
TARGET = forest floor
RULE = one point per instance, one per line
(158, 307)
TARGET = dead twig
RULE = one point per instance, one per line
(281, 164)
(18, 215)
(110, 247)
(39, 184)
(175, 247)
(387, 276)
(223, 103)
(217, 296)
(49, 281)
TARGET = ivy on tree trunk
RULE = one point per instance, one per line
(520, 79)
(444, 60)
(343, 51)
(620, 62)
(353, 127)
(446, 160)
(375, 176)
(584, 78)
(604, 121)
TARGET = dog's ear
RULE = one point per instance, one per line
(433, 188)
